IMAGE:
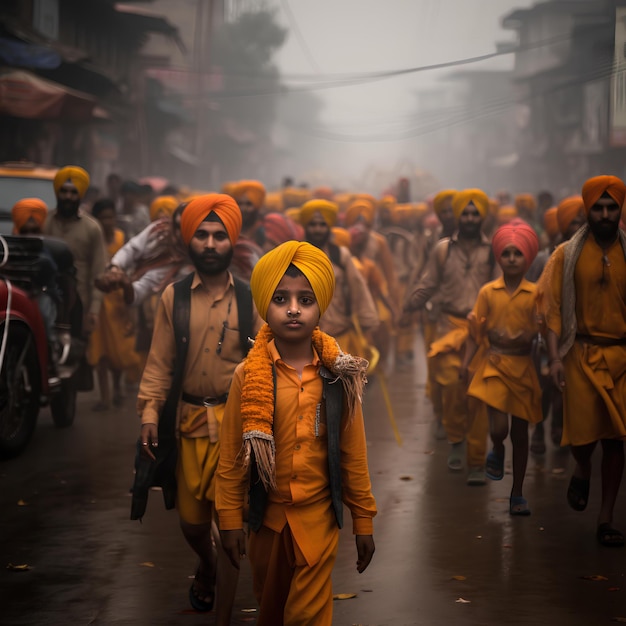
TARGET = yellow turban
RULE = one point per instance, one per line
(274, 202)
(442, 198)
(295, 196)
(341, 237)
(271, 268)
(163, 206)
(506, 213)
(328, 210)
(463, 198)
(343, 200)
(199, 208)
(76, 175)
(293, 214)
(253, 189)
(360, 208)
(525, 202)
(26, 209)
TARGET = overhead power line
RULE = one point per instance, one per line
(299, 36)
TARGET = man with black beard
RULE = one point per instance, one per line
(586, 319)
(209, 226)
(83, 236)
(457, 268)
(352, 297)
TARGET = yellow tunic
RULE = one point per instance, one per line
(508, 323)
(114, 336)
(595, 376)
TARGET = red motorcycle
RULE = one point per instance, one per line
(39, 356)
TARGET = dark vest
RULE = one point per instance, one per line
(332, 396)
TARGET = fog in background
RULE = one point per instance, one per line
(366, 129)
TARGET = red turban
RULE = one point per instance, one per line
(595, 187)
(75, 175)
(567, 210)
(253, 189)
(28, 208)
(519, 234)
(279, 229)
(199, 208)
(551, 222)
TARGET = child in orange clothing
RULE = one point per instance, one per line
(505, 319)
(296, 445)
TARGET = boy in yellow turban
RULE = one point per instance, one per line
(296, 442)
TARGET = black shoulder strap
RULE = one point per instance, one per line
(333, 399)
(243, 295)
(334, 252)
(181, 312)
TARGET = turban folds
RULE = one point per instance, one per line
(199, 208)
(163, 205)
(567, 210)
(76, 175)
(551, 222)
(253, 189)
(271, 267)
(442, 198)
(462, 198)
(26, 209)
(327, 209)
(595, 187)
(519, 234)
(279, 228)
(360, 208)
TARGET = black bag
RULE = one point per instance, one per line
(162, 471)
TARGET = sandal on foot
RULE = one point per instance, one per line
(609, 537)
(518, 506)
(578, 493)
(455, 460)
(494, 467)
(200, 604)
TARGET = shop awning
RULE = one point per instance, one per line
(23, 94)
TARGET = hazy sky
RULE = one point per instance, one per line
(345, 36)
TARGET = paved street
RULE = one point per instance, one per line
(65, 514)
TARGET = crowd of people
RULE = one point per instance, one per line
(235, 312)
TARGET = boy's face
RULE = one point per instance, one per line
(512, 262)
(293, 312)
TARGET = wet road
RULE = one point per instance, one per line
(65, 513)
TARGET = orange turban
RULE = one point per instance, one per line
(341, 237)
(567, 210)
(327, 209)
(271, 267)
(388, 202)
(551, 222)
(519, 234)
(462, 198)
(525, 202)
(506, 213)
(595, 187)
(360, 208)
(229, 187)
(76, 175)
(28, 208)
(199, 208)
(440, 200)
(343, 200)
(163, 206)
(253, 189)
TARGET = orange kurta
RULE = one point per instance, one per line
(303, 496)
(508, 322)
(114, 336)
(595, 376)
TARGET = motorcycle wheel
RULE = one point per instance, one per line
(20, 390)
(63, 403)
